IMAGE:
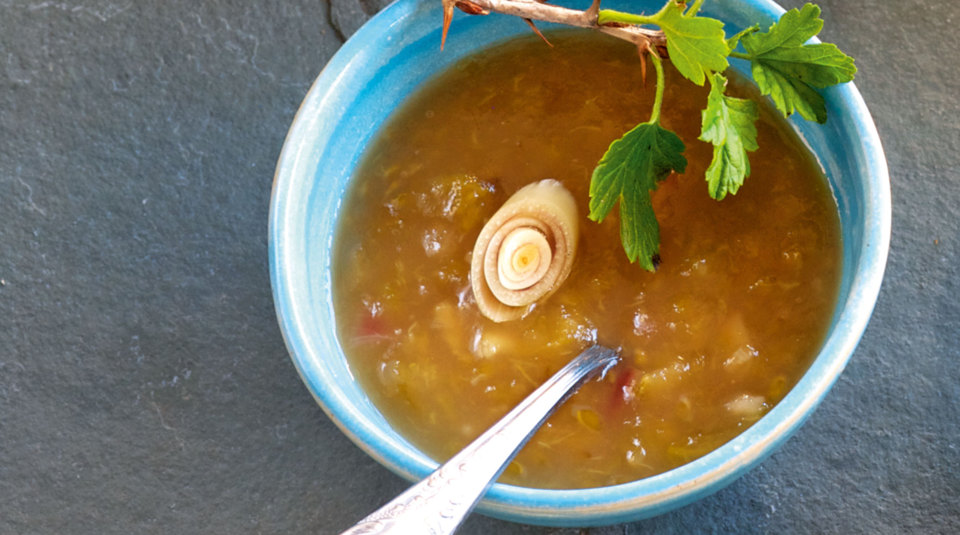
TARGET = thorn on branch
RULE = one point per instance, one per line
(593, 12)
(447, 18)
(643, 65)
(537, 31)
(470, 8)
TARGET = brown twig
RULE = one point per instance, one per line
(536, 10)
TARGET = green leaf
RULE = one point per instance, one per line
(789, 70)
(733, 41)
(697, 45)
(819, 65)
(729, 124)
(628, 172)
(794, 28)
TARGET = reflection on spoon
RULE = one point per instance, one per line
(438, 504)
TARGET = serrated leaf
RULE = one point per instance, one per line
(794, 28)
(697, 45)
(790, 94)
(817, 64)
(733, 41)
(729, 124)
(789, 70)
(628, 172)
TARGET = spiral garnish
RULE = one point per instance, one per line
(525, 251)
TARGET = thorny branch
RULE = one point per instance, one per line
(531, 10)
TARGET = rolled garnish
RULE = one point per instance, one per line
(525, 251)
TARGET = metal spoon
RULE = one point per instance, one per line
(438, 504)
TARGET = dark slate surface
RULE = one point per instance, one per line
(144, 384)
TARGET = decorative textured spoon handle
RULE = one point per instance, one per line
(439, 503)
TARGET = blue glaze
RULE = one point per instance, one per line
(374, 71)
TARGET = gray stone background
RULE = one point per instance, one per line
(144, 384)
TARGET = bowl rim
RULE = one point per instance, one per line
(637, 499)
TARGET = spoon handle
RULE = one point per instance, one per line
(438, 504)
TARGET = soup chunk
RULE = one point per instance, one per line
(713, 340)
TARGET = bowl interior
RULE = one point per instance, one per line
(373, 72)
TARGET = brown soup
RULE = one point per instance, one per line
(711, 341)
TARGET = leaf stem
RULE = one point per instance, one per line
(741, 55)
(695, 8)
(610, 15)
(658, 97)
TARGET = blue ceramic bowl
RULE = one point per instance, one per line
(372, 73)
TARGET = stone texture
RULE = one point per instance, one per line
(347, 16)
(144, 384)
